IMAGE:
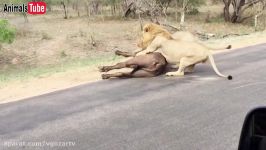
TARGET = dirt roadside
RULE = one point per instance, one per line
(19, 90)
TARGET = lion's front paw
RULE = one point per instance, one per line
(175, 73)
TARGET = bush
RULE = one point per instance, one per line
(193, 11)
(7, 33)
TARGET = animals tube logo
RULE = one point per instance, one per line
(36, 8)
(30, 8)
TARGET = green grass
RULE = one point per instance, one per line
(14, 74)
(7, 33)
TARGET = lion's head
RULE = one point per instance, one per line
(150, 31)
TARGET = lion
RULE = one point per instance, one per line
(146, 39)
(151, 30)
(183, 53)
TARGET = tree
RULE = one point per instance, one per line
(113, 5)
(183, 11)
(19, 2)
(164, 4)
(65, 8)
(151, 8)
(95, 6)
(183, 6)
(239, 7)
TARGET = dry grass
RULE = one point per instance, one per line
(48, 42)
(44, 38)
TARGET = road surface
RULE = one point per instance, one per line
(197, 112)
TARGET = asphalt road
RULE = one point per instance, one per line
(197, 112)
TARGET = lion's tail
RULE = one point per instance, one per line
(229, 77)
(217, 48)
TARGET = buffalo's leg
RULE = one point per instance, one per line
(117, 74)
(139, 73)
(128, 54)
(125, 54)
(117, 66)
(136, 73)
(131, 63)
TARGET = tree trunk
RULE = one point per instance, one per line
(176, 12)
(239, 6)
(236, 6)
(235, 17)
(87, 8)
(140, 22)
(63, 3)
(25, 17)
(167, 5)
(95, 6)
(227, 16)
(77, 8)
(256, 22)
(182, 19)
(183, 12)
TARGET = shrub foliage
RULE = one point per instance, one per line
(7, 33)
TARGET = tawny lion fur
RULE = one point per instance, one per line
(178, 50)
(152, 30)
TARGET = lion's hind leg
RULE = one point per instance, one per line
(184, 63)
(190, 68)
